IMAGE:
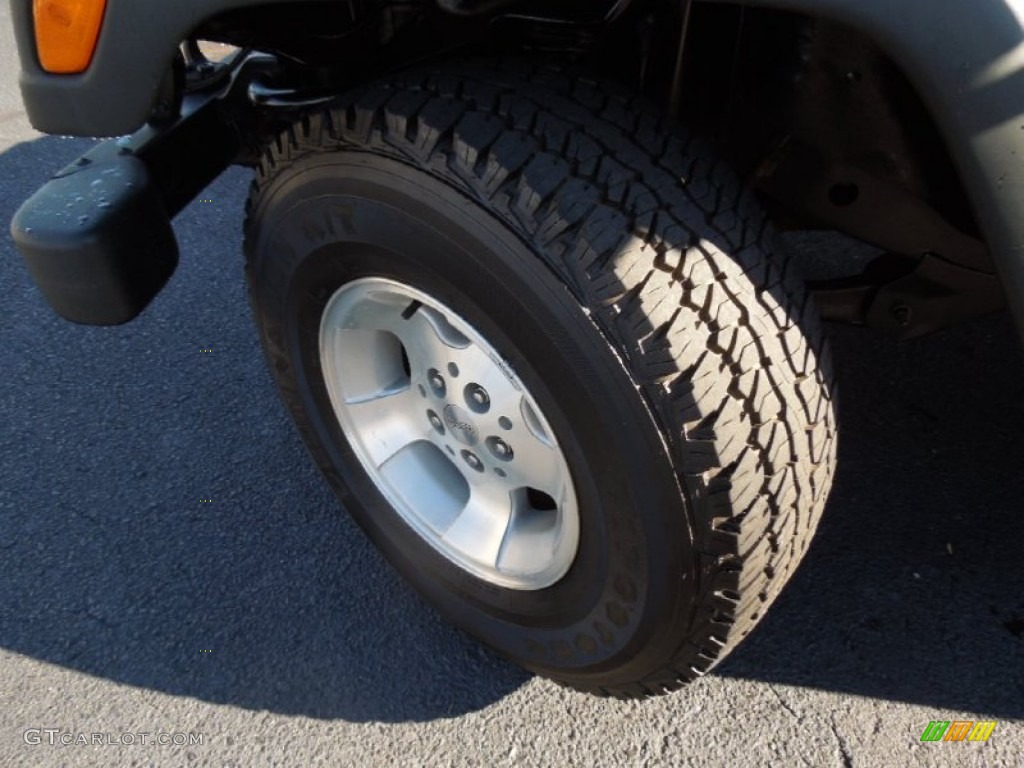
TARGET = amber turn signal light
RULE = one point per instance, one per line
(66, 33)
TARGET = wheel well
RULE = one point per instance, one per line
(305, 32)
(832, 134)
(812, 112)
(760, 82)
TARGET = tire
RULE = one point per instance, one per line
(633, 290)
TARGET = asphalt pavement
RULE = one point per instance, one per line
(171, 563)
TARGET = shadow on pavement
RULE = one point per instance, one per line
(161, 524)
(913, 589)
(113, 564)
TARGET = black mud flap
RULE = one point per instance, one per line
(97, 239)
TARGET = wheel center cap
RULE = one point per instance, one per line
(457, 420)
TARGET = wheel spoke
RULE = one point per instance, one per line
(429, 338)
(481, 525)
(531, 539)
(535, 462)
(387, 423)
(379, 311)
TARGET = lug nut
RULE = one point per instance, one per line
(435, 421)
(499, 448)
(436, 381)
(902, 315)
(473, 460)
(477, 398)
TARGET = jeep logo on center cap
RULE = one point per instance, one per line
(457, 420)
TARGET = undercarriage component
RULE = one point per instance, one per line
(934, 276)
(842, 196)
(908, 299)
